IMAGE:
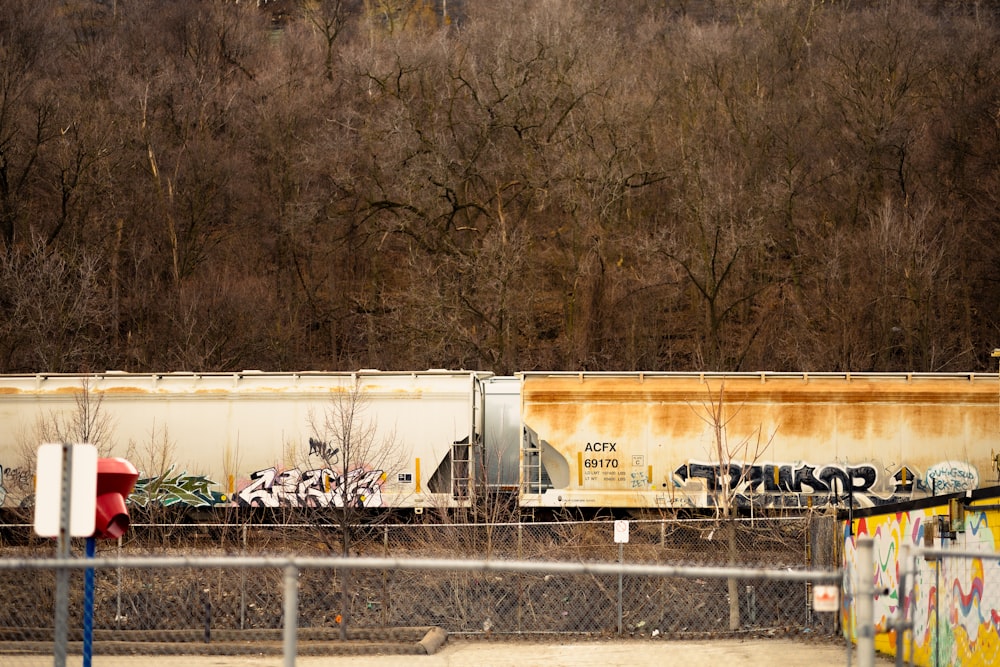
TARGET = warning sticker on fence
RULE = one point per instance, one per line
(826, 598)
(621, 531)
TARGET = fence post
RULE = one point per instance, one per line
(901, 625)
(118, 588)
(384, 602)
(520, 575)
(63, 552)
(866, 602)
(621, 560)
(291, 614)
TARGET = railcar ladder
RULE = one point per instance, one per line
(461, 468)
(531, 463)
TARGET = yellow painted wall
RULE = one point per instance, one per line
(954, 603)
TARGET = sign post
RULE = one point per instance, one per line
(621, 537)
(115, 480)
(79, 495)
(65, 502)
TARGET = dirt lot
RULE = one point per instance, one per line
(461, 653)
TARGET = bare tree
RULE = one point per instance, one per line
(86, 423)
(555, 184)
(359, 457)
(51, 308)
(329, 18)
(735, 460)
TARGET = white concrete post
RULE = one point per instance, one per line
(291, 629)
(865, 602)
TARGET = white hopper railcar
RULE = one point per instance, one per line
(258, 439)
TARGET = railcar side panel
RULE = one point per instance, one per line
(259, 439)
(650, 440)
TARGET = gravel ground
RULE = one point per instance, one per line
(464, 653)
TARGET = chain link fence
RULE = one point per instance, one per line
(224, 587)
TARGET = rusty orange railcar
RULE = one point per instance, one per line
(648, 440)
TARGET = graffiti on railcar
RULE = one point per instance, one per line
(951, 477)
(322, 449)
(18, 483)
(181, 489)
(319, 487)
(773, 484)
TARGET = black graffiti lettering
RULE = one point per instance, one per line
(775, 483)
(699, 471)
(866, 475)
(836, 479)
(735, 475)
(793, 483)
(322, 449)
(713, 475)
(807, 482)
(753, 477)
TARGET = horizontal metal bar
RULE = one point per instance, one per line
(944, 552)
(455, 565)
(670, 523)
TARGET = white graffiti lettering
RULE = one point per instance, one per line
(320, 487)
(951, 477)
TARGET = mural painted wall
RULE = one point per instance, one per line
(953, 603)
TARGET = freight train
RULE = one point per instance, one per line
(441, 439)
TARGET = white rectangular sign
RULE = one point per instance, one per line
(83, 490)
(621, 531)
(826, 598)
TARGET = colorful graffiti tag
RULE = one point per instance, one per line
(762, 484)
(182, 489)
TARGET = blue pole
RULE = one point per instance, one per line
(88, 606)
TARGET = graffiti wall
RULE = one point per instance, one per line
(952, 603)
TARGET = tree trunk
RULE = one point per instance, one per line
(732, 582)
(345, 584)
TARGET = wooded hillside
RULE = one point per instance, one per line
(542, 184)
